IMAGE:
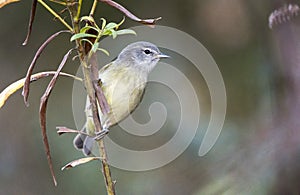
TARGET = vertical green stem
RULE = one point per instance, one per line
(76, 18)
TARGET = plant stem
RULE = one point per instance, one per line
(76, 18)
(90, 71)
(93, 8)
(55, 15)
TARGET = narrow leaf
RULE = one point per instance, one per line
(129, 14)
(15, 86)
(6, 2)
(43, 109)
(113, 34)
(106, 32)
(63, 130)
(79, 162)
(87, 18)
(90, 42)
(125, 31)
(86, 28)
(103, 23)
(25, 92)
(82, 35)
(32, 15)
(120, 23)
(111, 25)
(104, 51)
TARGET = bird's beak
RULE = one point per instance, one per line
(161, 55)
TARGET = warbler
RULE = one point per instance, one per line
(123, 83)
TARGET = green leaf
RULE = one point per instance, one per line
(86, 28)
(103, 23)
(81, 35)
(113, 34)
(104, 51)
(87, 18)
(125, 31)
(120, 23)
(111, 25)
(90, 42)
(107, 32)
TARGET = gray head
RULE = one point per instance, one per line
(142, 55)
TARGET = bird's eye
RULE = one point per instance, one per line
(147, 51)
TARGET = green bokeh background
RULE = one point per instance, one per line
(236, 34)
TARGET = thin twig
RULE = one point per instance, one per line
(93, 8)
(55, 15)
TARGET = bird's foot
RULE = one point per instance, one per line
(100, 135)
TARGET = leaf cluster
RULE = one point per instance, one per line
(106, 29)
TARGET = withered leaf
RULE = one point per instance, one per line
(79, 162)
(25, 91)
(15, 86)
(43, 109)
(6, 2)
(130, 15)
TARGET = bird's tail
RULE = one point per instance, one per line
(84, 143)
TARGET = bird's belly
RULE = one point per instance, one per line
(123, 100)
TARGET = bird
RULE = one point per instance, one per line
(123, 83)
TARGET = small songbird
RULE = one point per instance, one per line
(123, 82)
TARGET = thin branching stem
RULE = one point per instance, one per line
(55, 15)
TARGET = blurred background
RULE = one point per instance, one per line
(258, 150)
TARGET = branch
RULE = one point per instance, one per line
(98, 95)
(55, 15)
(90, 71)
